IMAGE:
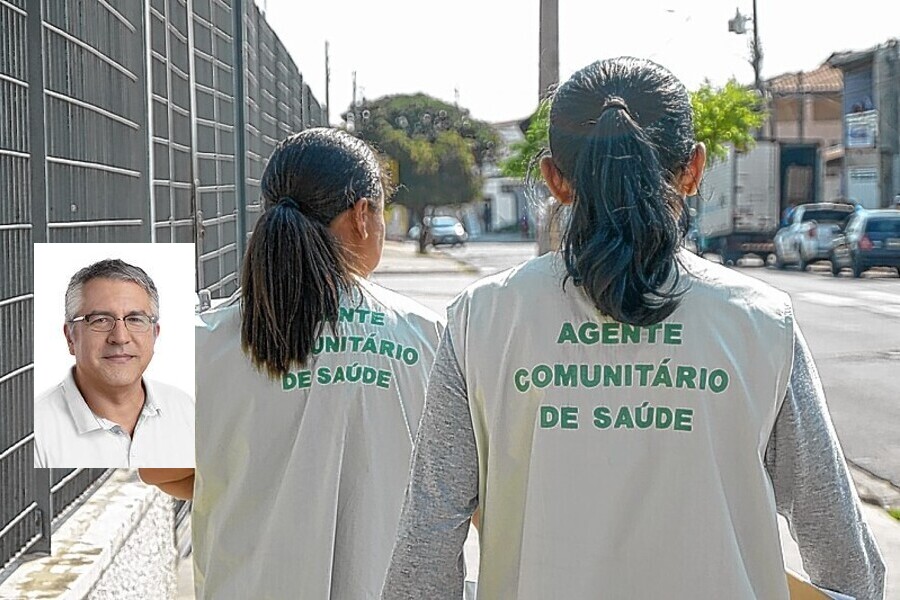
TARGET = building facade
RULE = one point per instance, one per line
(808, 107)
(871, 114)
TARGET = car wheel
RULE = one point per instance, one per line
(801, 261)
(835, 268)
(779, 262)
(857, 268)
(898, 271)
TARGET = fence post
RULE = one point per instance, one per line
(149, 165)
(44, 508)
(240, 179)
(36, 143)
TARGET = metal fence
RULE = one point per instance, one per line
(118, 123)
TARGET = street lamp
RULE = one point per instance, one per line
(738, 25)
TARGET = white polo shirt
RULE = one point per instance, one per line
(68, 433)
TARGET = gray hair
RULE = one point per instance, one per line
(111, 268)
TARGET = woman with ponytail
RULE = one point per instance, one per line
(627, 418)
(310, 387)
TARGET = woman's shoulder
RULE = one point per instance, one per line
(547, 268)
(222, 313)
(394, 303)
(727, 286)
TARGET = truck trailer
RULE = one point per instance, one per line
(743, 198)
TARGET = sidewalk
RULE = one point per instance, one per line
(403, 258)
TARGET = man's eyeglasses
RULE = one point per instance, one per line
(104, 323)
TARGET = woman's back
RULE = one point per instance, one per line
(300, 480)
(627, 418)
(670, 420)
(309, 388)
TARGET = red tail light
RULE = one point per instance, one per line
(865, 243)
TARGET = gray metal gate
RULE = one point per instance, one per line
(95, 138)
(118, 124)
(20, 526)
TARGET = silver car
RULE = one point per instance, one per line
(810, 235)
(446, 230)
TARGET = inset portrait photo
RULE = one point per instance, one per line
(114, 355)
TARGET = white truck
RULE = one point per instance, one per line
(743, 197)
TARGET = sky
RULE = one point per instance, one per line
(485, 51)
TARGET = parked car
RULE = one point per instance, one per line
(810, 233)
(447, 230)
(871, 239)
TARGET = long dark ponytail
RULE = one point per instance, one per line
(295, 271)
(621, 131)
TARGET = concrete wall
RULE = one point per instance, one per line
(119, 545)
(821, 118)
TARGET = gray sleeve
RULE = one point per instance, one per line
(814, 491)
(427, 561)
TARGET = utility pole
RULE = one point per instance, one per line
(327, 88)
(738, 25)
(757, 52)
(801, 106)
(548, 59)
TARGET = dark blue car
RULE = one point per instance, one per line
(871, 239)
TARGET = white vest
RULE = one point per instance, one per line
(619, 462)
(300, 482)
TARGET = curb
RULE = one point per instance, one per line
(466, 266)
(115, 545)
(873, 489)
(405, 263)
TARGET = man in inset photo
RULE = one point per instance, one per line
(104, 413)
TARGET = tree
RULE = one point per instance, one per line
(721, 115)
(435, 148)
(522, 153)
(727, 114)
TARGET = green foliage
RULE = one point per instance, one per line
(435, 147)
(727, 114)
(522, 153)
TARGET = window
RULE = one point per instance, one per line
(827, 216)
(890, 225)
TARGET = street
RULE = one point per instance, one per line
(852, 327)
